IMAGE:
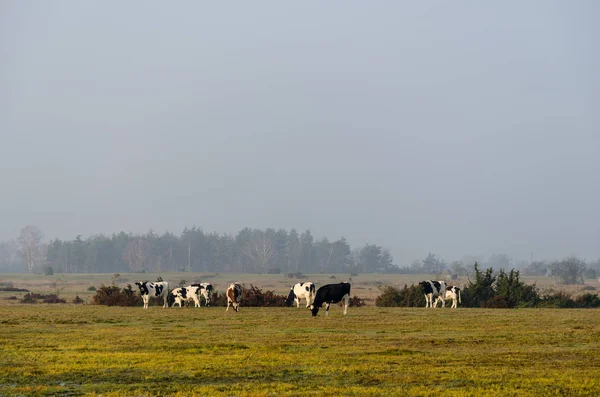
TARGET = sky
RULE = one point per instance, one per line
(459, 128)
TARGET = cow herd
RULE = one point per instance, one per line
(314, 298)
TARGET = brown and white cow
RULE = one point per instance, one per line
(234, 296)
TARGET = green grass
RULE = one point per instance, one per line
(113, 351)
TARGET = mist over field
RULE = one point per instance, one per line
(394, 130)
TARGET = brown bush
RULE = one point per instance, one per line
(252, 297)
(355, 301)
(33, 298)
(499, 302)
(77, 300)
(255, 297)
(114, 296)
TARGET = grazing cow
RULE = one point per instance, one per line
(433, 289)
(234, 296)
(185, 294)
(148, 289)
(331, 293)
(206, 289)
(299, 291)
(452, 292)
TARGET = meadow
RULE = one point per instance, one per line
(67, 349)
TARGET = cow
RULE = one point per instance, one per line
(433, 289)
(206, 289)
(185, 294)
(158, 289)
(234, 296)
(452, 292)
(331, 293)
(300, 291)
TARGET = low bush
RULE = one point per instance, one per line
(50, 298)
(407, 297)
(115, 296)
(77, 300)
(355, 301)
(298, 275)
(252, 297)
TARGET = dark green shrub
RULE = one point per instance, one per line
(558, 299)
(499, 302)
(478, 292)
(48, 271)
(407, 297)
(587, 301)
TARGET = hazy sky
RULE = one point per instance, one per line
(457, 127)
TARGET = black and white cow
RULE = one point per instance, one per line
(331, 293)
(206, 289)
(301, 291)
(234, 296)
(185, 294)
(452, 292)
(433, 289)
(158, 289)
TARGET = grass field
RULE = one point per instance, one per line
(114, 351)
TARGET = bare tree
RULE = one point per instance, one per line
(264, 250)
(260, 250)
(9, 251)
(137, 254)
(29, 242)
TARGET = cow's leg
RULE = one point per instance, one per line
(297, 300)
(145, 300)
(307, 302)
(165, 304)
(453, 304)
(228, 301)
(196, 301)
(327, 309)
(236, 307)
(443, 298)
(346, 302)
(427, 300)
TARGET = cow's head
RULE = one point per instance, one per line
(290, 298)
(314, 310)
(143, 286)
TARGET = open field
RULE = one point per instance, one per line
(96, 350)
(68, 349)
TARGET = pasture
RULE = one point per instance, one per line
(68, 349)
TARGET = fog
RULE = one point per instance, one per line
(460, 128)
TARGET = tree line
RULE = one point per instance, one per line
(248, 251)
